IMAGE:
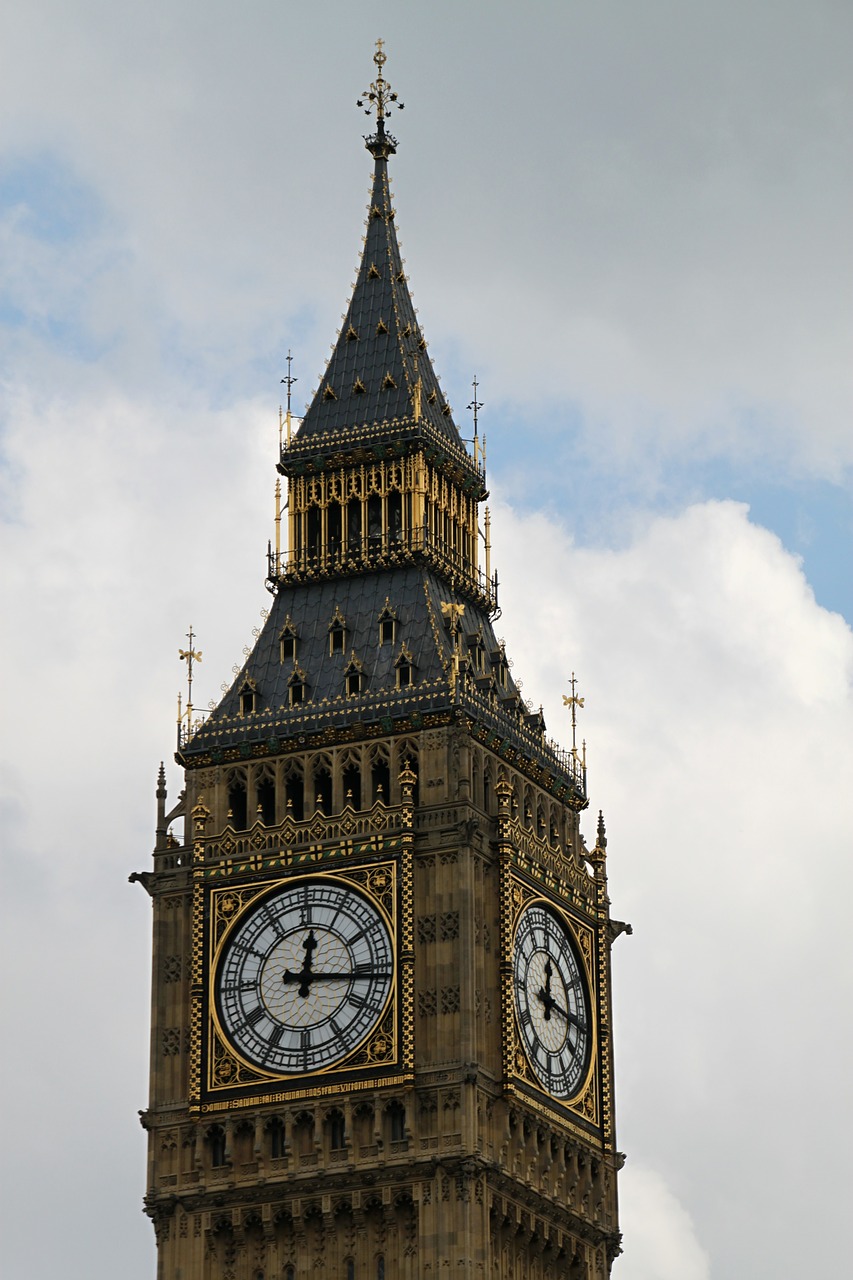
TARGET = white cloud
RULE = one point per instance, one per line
(660, 1236)
(720, 719)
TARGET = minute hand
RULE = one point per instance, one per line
(320, 974)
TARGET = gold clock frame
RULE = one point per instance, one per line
(585, 1106)
(220, 1078)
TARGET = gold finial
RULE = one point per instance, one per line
(288, 382)
(379, 95)
(574, 702)
(189, 656)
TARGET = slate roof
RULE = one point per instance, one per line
(415, 596)
(380, 351)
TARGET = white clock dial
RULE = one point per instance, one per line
(304, 977)
(551, 1005)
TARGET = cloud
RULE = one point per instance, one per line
(661, 1238)
(719, 715)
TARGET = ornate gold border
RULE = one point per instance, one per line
(519, 1078)
(215, 1066)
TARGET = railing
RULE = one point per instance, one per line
(419, 703)
(384, 551)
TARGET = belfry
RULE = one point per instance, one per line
(381, 1015)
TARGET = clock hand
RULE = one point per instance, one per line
(569, 1017)
(320, 975)
(544, 994)
(305, 975)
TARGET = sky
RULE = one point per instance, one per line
(631, 224)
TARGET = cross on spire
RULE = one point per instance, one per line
(379, 94)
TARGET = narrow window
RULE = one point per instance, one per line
(397, 1121)
(354, 682)
(380, 1268)
(380, 779)
(287, 644)
(350, 1269)
(216, 1139)
(404, 675)
(276, 1138)
(337, 637)
(294, 795)
(247, 702)
(266, 801)
(297, 693)
(386, 631)
(237, 804)
(352, 786)
(337, 1134)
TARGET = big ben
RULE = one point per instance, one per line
(381, 1017)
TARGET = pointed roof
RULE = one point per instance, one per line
(379, 375)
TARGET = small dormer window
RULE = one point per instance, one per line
(297, 690)
(354, 677)
(387, 624)
(405, 669)
(248, 697)
(337, 634)
(287, 642)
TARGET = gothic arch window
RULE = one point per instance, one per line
(334, 524)
(374, 522)
(351, 781)
(380, 1268)
(354, 528)
(337, 633)
(322, 780)
(395, 518)
(387, 624)
(350, 1272)
(238, 806)
(354, 677)
(290, 1272)
(287, 641)
(265, 796)
(380, 777)
(248, 692)
(294, 791)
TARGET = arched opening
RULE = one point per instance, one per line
(215, 1140)
(395, 518)
(374, 523)
(354, 528)
(322, 798)
(266, 800)
(294, 795)
(276, 1138)
(314, 532)
(237, 802)
(352, 785)
(336, 1131)
(333, 525)
(380, 779)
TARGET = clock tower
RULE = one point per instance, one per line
(381, 1017)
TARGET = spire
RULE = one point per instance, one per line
(379, 380)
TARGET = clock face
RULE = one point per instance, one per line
(551, 1003)
(304, 977)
